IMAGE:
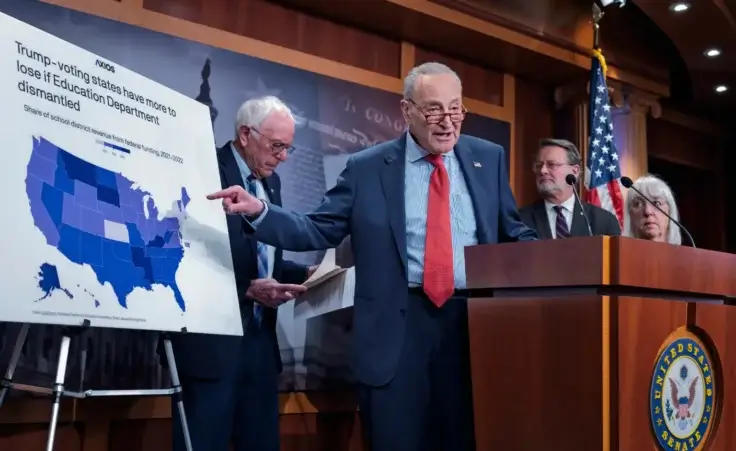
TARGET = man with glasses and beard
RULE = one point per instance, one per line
(410, 205)
(230, 384)
(557, 214)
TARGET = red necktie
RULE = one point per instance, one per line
(439, 281)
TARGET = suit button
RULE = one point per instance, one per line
(402, 312)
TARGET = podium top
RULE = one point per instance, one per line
(601, 261)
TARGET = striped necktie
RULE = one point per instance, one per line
(561, 229)
(262, 253)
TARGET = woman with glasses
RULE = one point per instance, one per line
(643, 220)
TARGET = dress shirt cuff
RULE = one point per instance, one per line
(254, 222)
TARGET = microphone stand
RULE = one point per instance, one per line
(572, 181)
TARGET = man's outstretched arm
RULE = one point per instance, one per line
(324, 228)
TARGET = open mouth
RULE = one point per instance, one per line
(443, 135)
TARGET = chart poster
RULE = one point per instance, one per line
(104, 175)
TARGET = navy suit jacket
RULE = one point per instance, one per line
(211, 356)
(368, 204)
(602, 222)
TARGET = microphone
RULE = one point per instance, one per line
(572, 181)
(627, 183)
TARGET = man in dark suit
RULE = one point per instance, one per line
(410, 205)
(557, 214)
(230, 384)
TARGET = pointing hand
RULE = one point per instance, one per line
(236, 200)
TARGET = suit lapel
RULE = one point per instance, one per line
(231, 173)
(273, 196)
(476, 190)
(392, 182)
(541, 221)
(230, 167)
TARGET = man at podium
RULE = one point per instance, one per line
(411, 206)
(557, 214)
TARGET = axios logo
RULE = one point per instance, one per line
(107, 66)
(682, 397)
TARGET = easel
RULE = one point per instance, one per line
(58, 391)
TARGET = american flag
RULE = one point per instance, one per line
(602, 169)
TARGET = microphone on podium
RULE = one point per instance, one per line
(627, 183)
(573, 181)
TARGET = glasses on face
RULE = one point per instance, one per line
(435, 114)
(276, 146)
(639, 204)
(551, 165)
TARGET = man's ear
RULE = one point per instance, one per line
(404, 104)
(243, 135)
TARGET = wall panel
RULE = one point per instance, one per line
(479, 83)
(691, 161)
(534, 120)
(284, 27)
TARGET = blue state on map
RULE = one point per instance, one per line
(98, 217)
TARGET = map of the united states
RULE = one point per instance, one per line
(97, 217)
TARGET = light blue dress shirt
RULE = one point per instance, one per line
(261, 194)
(416, 194)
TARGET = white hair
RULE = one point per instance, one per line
(430, 68)
(254, 111)
(653, 187)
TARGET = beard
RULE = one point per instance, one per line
(546, 188)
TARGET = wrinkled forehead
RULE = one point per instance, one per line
(552, 153)
(441, 89)
(279, 127)
(653, 191)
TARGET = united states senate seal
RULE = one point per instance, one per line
(682, 396)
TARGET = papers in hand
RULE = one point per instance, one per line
(326, 270)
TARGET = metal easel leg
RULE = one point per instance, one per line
(20, 341)
(176, 392)
(82, 360)
(58, 390)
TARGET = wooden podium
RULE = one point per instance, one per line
(595, 344)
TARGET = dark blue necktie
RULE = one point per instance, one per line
(561, 229)
(262, 253)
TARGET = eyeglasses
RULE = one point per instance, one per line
(435, 114)
(276, 146)
(639, 204)
(551, 165)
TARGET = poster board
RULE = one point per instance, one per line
(104, 178)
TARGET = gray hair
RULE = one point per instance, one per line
(573, 155)
(653, 187)
(430, 68)
(254, 111)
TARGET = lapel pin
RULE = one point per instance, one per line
(476, 164)
(271, 190)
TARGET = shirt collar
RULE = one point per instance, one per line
(568, 205)
(414, 152)
(244, 169)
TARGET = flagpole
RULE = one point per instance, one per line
(596, 16)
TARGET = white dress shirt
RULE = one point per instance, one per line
(567, 209)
